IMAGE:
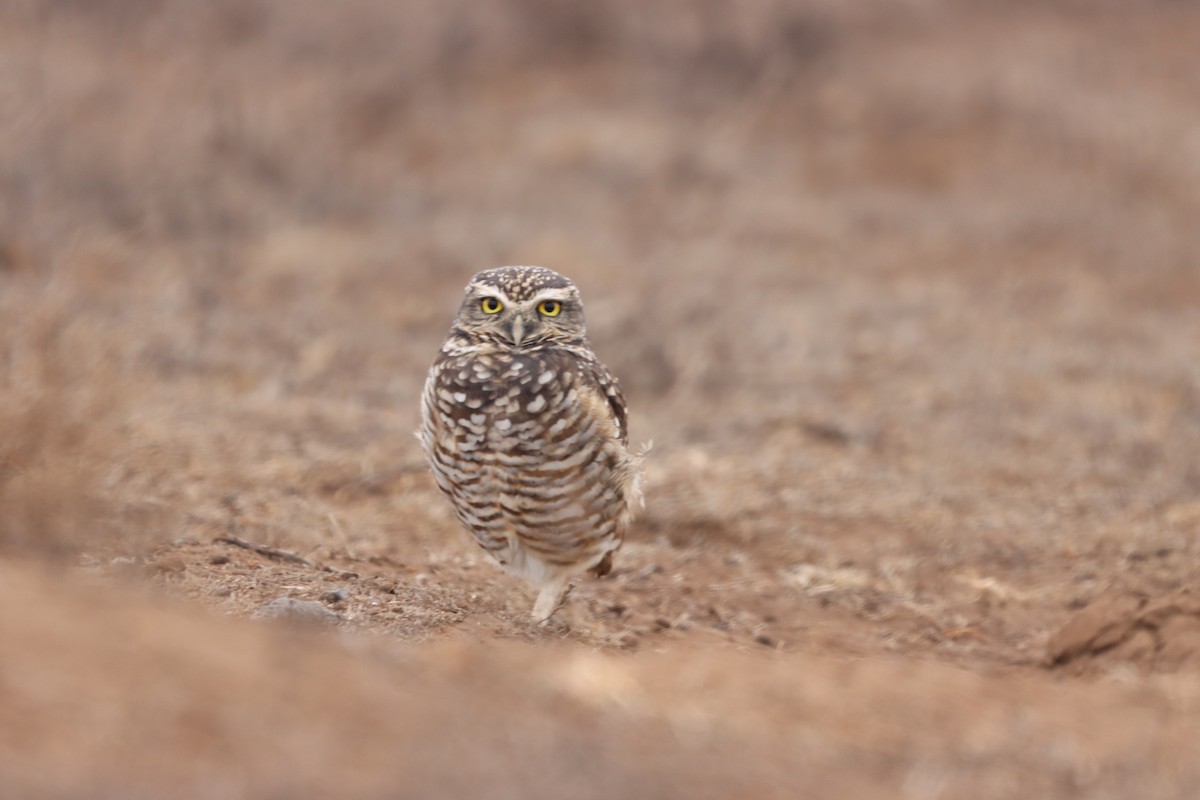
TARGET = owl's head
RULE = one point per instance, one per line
(522, 306)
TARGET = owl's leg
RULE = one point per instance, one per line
(550, 599)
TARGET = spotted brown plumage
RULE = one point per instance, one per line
(526, 431)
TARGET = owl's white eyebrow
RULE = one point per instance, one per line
(485, 290)
(561, 295)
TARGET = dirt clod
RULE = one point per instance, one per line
(1161, 635)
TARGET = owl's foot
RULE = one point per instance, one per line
(550, 599)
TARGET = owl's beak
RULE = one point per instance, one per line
(518, 331)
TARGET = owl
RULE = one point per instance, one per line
(526, 434)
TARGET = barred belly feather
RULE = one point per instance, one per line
(529, 442)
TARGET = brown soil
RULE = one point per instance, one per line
(905, 296)
(1160, 635)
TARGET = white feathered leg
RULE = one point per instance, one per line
(550, 598)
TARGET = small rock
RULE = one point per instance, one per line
(335, 595)
(764, 640)
(218, 560)
(293, 610)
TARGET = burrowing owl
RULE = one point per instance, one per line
(526, 431)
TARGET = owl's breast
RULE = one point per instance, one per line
(520, 405)
(529, 449)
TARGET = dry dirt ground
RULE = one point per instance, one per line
(907, 296)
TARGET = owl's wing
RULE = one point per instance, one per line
(598, 375)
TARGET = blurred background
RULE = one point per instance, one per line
(904, 293)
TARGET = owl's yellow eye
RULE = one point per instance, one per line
(491, 305)
(551, 308)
